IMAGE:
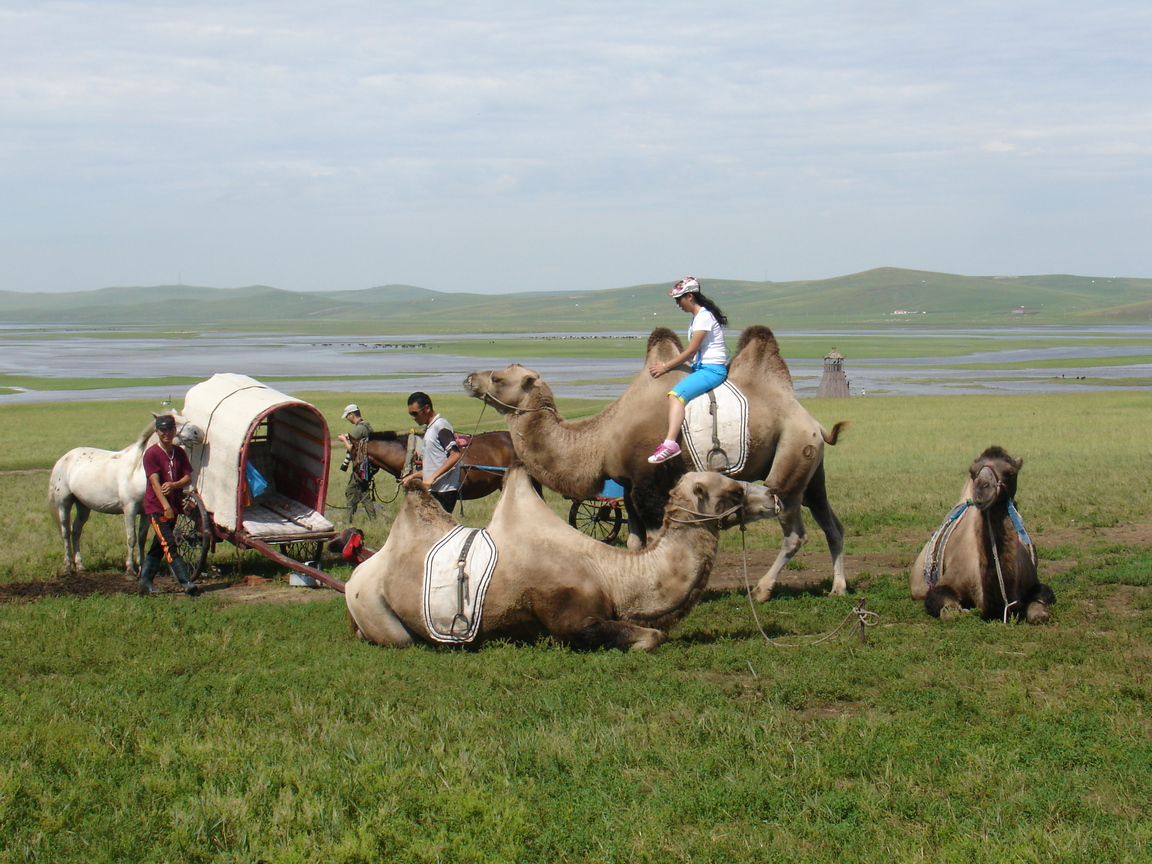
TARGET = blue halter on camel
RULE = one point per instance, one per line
(939, 538)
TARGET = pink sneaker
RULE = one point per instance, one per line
(664, 452)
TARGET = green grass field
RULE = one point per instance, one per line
(168, 729)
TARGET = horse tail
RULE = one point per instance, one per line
(834, 435)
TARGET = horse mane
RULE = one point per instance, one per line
(387, 435)
(146, 433)
(760, 343)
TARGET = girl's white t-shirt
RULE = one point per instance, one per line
(713, 351)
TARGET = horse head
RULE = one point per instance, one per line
(187, 432)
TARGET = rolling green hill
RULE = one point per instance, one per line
(871, 298)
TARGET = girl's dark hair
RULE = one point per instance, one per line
(711, 306)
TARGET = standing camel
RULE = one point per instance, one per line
(488, 450)
(981, 557)
(786, 444)
(107, 481)
(551, 580)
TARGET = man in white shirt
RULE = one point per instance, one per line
(441, 473)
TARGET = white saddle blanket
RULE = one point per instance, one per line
(457, 571)
(731, 429)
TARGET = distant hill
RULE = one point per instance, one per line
(872, 298)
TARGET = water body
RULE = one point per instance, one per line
(365, 364)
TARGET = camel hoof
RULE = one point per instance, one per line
(761, 595)
(1037, 613)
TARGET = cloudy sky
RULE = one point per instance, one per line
(514, 145)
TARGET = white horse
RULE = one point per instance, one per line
(106, 481)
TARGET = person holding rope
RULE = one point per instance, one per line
(706, 350)
(169, 471)
(441, 472)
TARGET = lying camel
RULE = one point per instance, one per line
(786, 444)
(551, 580)
(981, 556)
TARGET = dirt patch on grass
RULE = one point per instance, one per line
(275, 591)
(810, 573)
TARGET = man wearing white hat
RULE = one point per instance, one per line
(359, 481)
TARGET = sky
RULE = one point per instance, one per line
(511, 145)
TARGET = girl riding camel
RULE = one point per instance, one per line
(706, 350)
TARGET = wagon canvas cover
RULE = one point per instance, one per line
(284, 439)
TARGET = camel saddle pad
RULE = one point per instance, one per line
(720, 444)
(457, 571)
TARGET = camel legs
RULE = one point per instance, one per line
(792, 524)
(816, 499)
(598, 633)
(943, 602)
(378, 624)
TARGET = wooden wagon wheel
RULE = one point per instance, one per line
(193, 534)
(600, 519)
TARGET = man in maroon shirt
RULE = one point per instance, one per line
(168, 471)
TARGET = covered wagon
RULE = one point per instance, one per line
(260, 474)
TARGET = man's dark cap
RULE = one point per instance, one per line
(165, 422)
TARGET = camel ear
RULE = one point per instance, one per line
(1019, 463)
(528, 382)
(701, 492)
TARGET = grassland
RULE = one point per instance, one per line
(206, 730)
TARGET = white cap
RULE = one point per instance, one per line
(687, 285)
(350, 409)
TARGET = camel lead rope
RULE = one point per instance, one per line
(999, 572)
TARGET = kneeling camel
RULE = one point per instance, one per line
(981, 557)
(551, 580)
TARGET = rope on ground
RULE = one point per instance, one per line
(864, 617)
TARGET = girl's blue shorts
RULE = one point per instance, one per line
(699, 381)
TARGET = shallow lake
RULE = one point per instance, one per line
(376, 364)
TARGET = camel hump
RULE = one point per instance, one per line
(661, 336)
(760, 335)
(758, 348)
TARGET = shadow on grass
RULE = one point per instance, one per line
(781, 591)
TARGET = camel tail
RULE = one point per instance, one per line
(834, 435)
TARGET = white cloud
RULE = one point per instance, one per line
(308, 144)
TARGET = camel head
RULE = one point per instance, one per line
(515, 388)
(707, 497)
(994, 477)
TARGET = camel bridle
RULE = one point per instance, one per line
(697, 517)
